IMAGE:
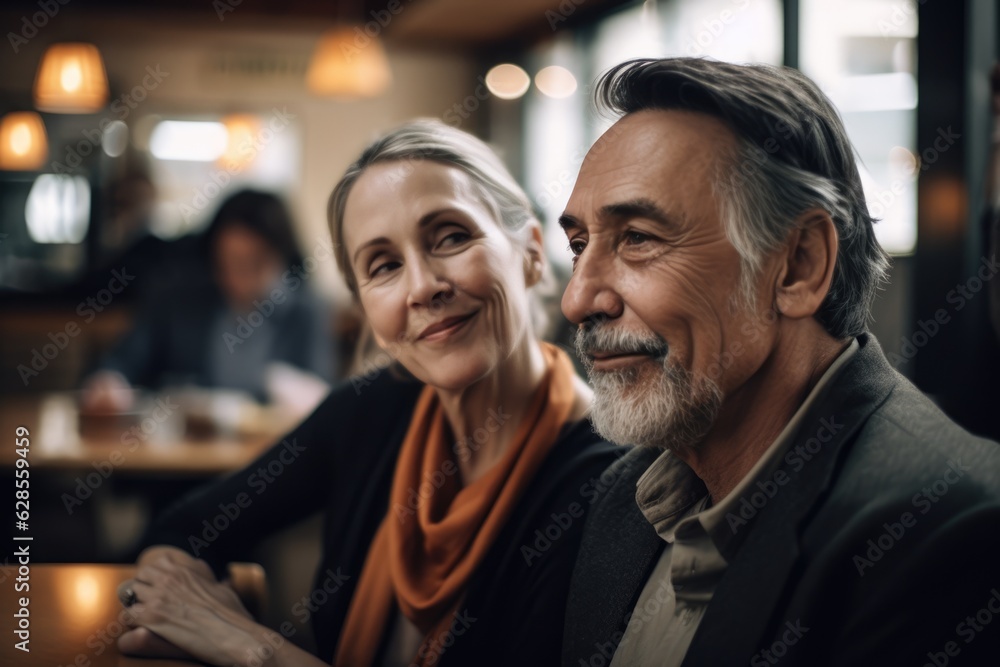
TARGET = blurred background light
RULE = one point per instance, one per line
(194, 141)
(58, 209)
(114, 138)
(87, 593)
(555, 81)
(71, 79)
(241, 131)
(23, 145)
(507, 81)
(902, 162)
(349, 63)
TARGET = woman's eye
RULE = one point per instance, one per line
(383, 268)
(454, 238)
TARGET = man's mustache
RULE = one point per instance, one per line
(604, 339)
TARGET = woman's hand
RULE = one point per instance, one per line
(167, 557)
(178, 609)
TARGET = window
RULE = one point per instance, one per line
(198, 162)
(862, 54)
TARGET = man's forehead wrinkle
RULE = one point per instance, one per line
(667, 158)
(614, 173)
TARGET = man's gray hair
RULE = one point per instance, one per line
(793, 154)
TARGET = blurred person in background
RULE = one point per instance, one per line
(248, 323)
(128, 242)
(454, 486)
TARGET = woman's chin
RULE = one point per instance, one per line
(457, 374)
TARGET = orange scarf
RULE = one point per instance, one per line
(423, 558)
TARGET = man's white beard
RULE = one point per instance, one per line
(657, 405)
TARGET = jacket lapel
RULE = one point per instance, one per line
(743, 606)
(613, 564)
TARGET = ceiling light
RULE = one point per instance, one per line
(507, 81)
(555, 81)
(348, 62)
(241, 133)
(23, 146)
(71, 79)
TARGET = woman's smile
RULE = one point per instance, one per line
(447, 328)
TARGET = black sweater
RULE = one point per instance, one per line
(341, 460)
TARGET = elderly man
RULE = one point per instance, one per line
(792, 499)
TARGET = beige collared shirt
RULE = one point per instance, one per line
(675, 501)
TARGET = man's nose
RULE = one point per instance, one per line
(591, 293)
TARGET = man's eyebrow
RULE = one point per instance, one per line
(640, 208)
(569, 222)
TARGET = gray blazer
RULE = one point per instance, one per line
(877, 552)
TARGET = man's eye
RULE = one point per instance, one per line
(576, 247)
(636, 238)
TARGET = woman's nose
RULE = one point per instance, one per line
(426, 282)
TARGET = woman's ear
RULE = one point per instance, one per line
(534, 254)
(807, 264)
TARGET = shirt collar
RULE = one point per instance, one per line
(668, 491)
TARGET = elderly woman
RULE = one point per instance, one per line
(435, 487)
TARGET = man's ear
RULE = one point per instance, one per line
(534, 254)
(807, 263)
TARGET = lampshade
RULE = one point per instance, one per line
(71, 79)
(348, 63)
(23, 146)
(241, 133)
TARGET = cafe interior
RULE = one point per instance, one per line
(125, 127)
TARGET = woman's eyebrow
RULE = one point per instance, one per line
(425, 220)
(367, 244)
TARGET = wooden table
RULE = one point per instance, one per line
(73, 615)
(71, 451)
